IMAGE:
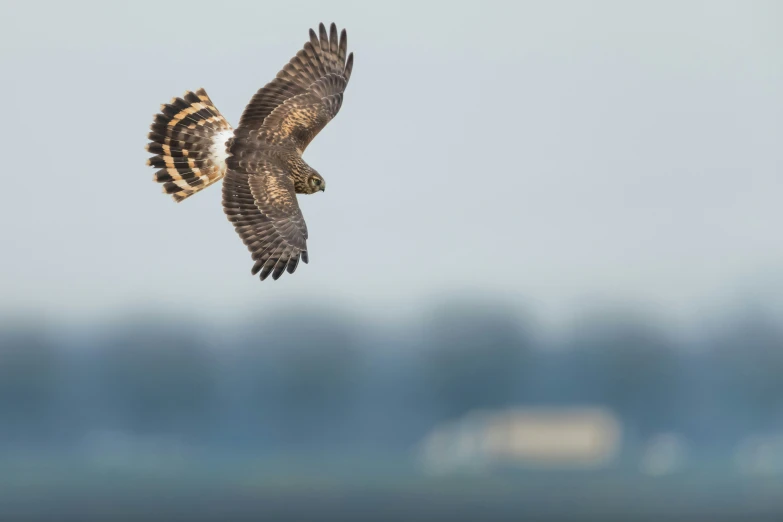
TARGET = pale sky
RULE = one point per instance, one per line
(549, 152)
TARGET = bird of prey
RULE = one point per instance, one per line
(261, 160)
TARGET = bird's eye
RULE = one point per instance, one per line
(318, 182)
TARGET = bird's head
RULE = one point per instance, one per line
(315, 183)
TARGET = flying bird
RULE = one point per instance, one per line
(261, 160)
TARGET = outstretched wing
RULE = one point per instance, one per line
(306, 94)
(262, 205)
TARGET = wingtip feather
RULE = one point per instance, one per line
(348, 67)
(323, 35)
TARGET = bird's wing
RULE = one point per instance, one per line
(262, 205)
(306, 94)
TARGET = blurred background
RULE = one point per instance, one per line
(546, 283)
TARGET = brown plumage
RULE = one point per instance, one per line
(261, 159)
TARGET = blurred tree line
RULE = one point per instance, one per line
(314, 379)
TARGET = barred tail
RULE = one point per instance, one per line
(188, 139)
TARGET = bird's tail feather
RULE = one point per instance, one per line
(188, 138)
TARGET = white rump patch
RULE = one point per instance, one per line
(219, 151)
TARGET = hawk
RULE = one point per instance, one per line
(261, 160)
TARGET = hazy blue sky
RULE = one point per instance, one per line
(548, 151)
